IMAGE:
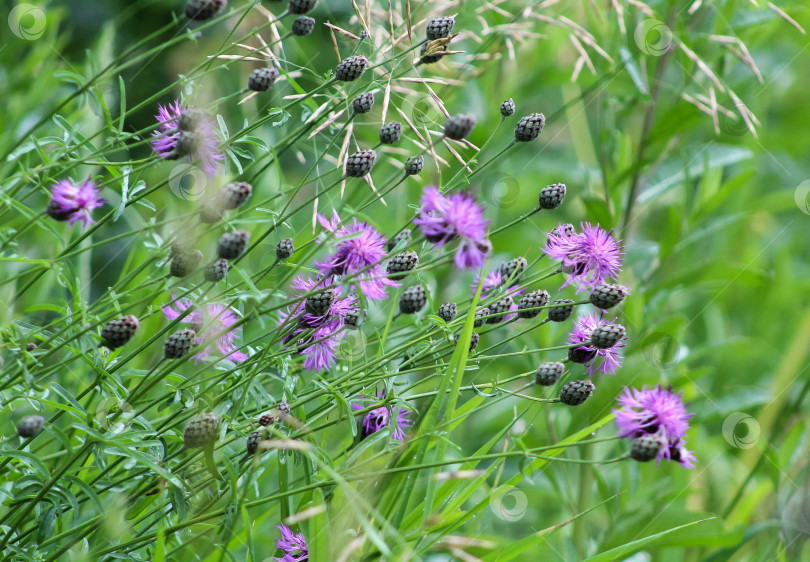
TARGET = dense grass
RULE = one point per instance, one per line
(681, 126)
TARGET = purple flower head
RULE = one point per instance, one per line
(73, 202)
(442, 219)
(358, 250)
(164, 140)
(317, 336)
(606, 361)
(657, 411)
(492, 281)
(590, 257)
(382, 417)
(212, 324)
(677, 452)
(294, 545)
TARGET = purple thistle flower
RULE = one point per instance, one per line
(73, 203)
(164, 141)
(294, 545)
(212, 324)
(492, 281)
(590, 257)
(606, 361)
(656, 411)
(322, 331)
(359, 249)
(442, 219)
(382, 417)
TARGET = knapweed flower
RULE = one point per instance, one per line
(73, 202)
(359, 250)
(442, 219)
(212, 325)
(606, 361)
(657, 411)
(590, 257)
(317, 336)
(292, 544)
(382, 417)
(199, 144)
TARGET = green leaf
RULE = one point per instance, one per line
(625, 550)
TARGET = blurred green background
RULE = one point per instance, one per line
(715, 237)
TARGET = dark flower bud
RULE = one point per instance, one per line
(646, 447)
(363, 103)
(608, 295)
(190, 119)
(354, 319)
(500, 308)
(252, 444)
(231, 245)
(561, 310)
(360, 163)
(549, 373)
(608, 335)
(390, 133)
(119, 331)
(217, 271)
(179, 343)
(459, 127)
(448, 311)
(552, 196)
(575, 393)
(439, 28)
(432, 52)
(529, 127)
(233, 195)
(285, 249)
(211, 213)
(480, 319)
(414, 165)
(401, 264)
(320, 303)
(299, 7)
(302, 26)
(412, 299)
(351, 68)
(581, 355)
(186, 144)
(201, 10)
(30, 426)
(512, 270)
(262, 79)
(508, 108)
(474, 339)
(201, 430)
(403, 237)
(185, 264)
(531, 301)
